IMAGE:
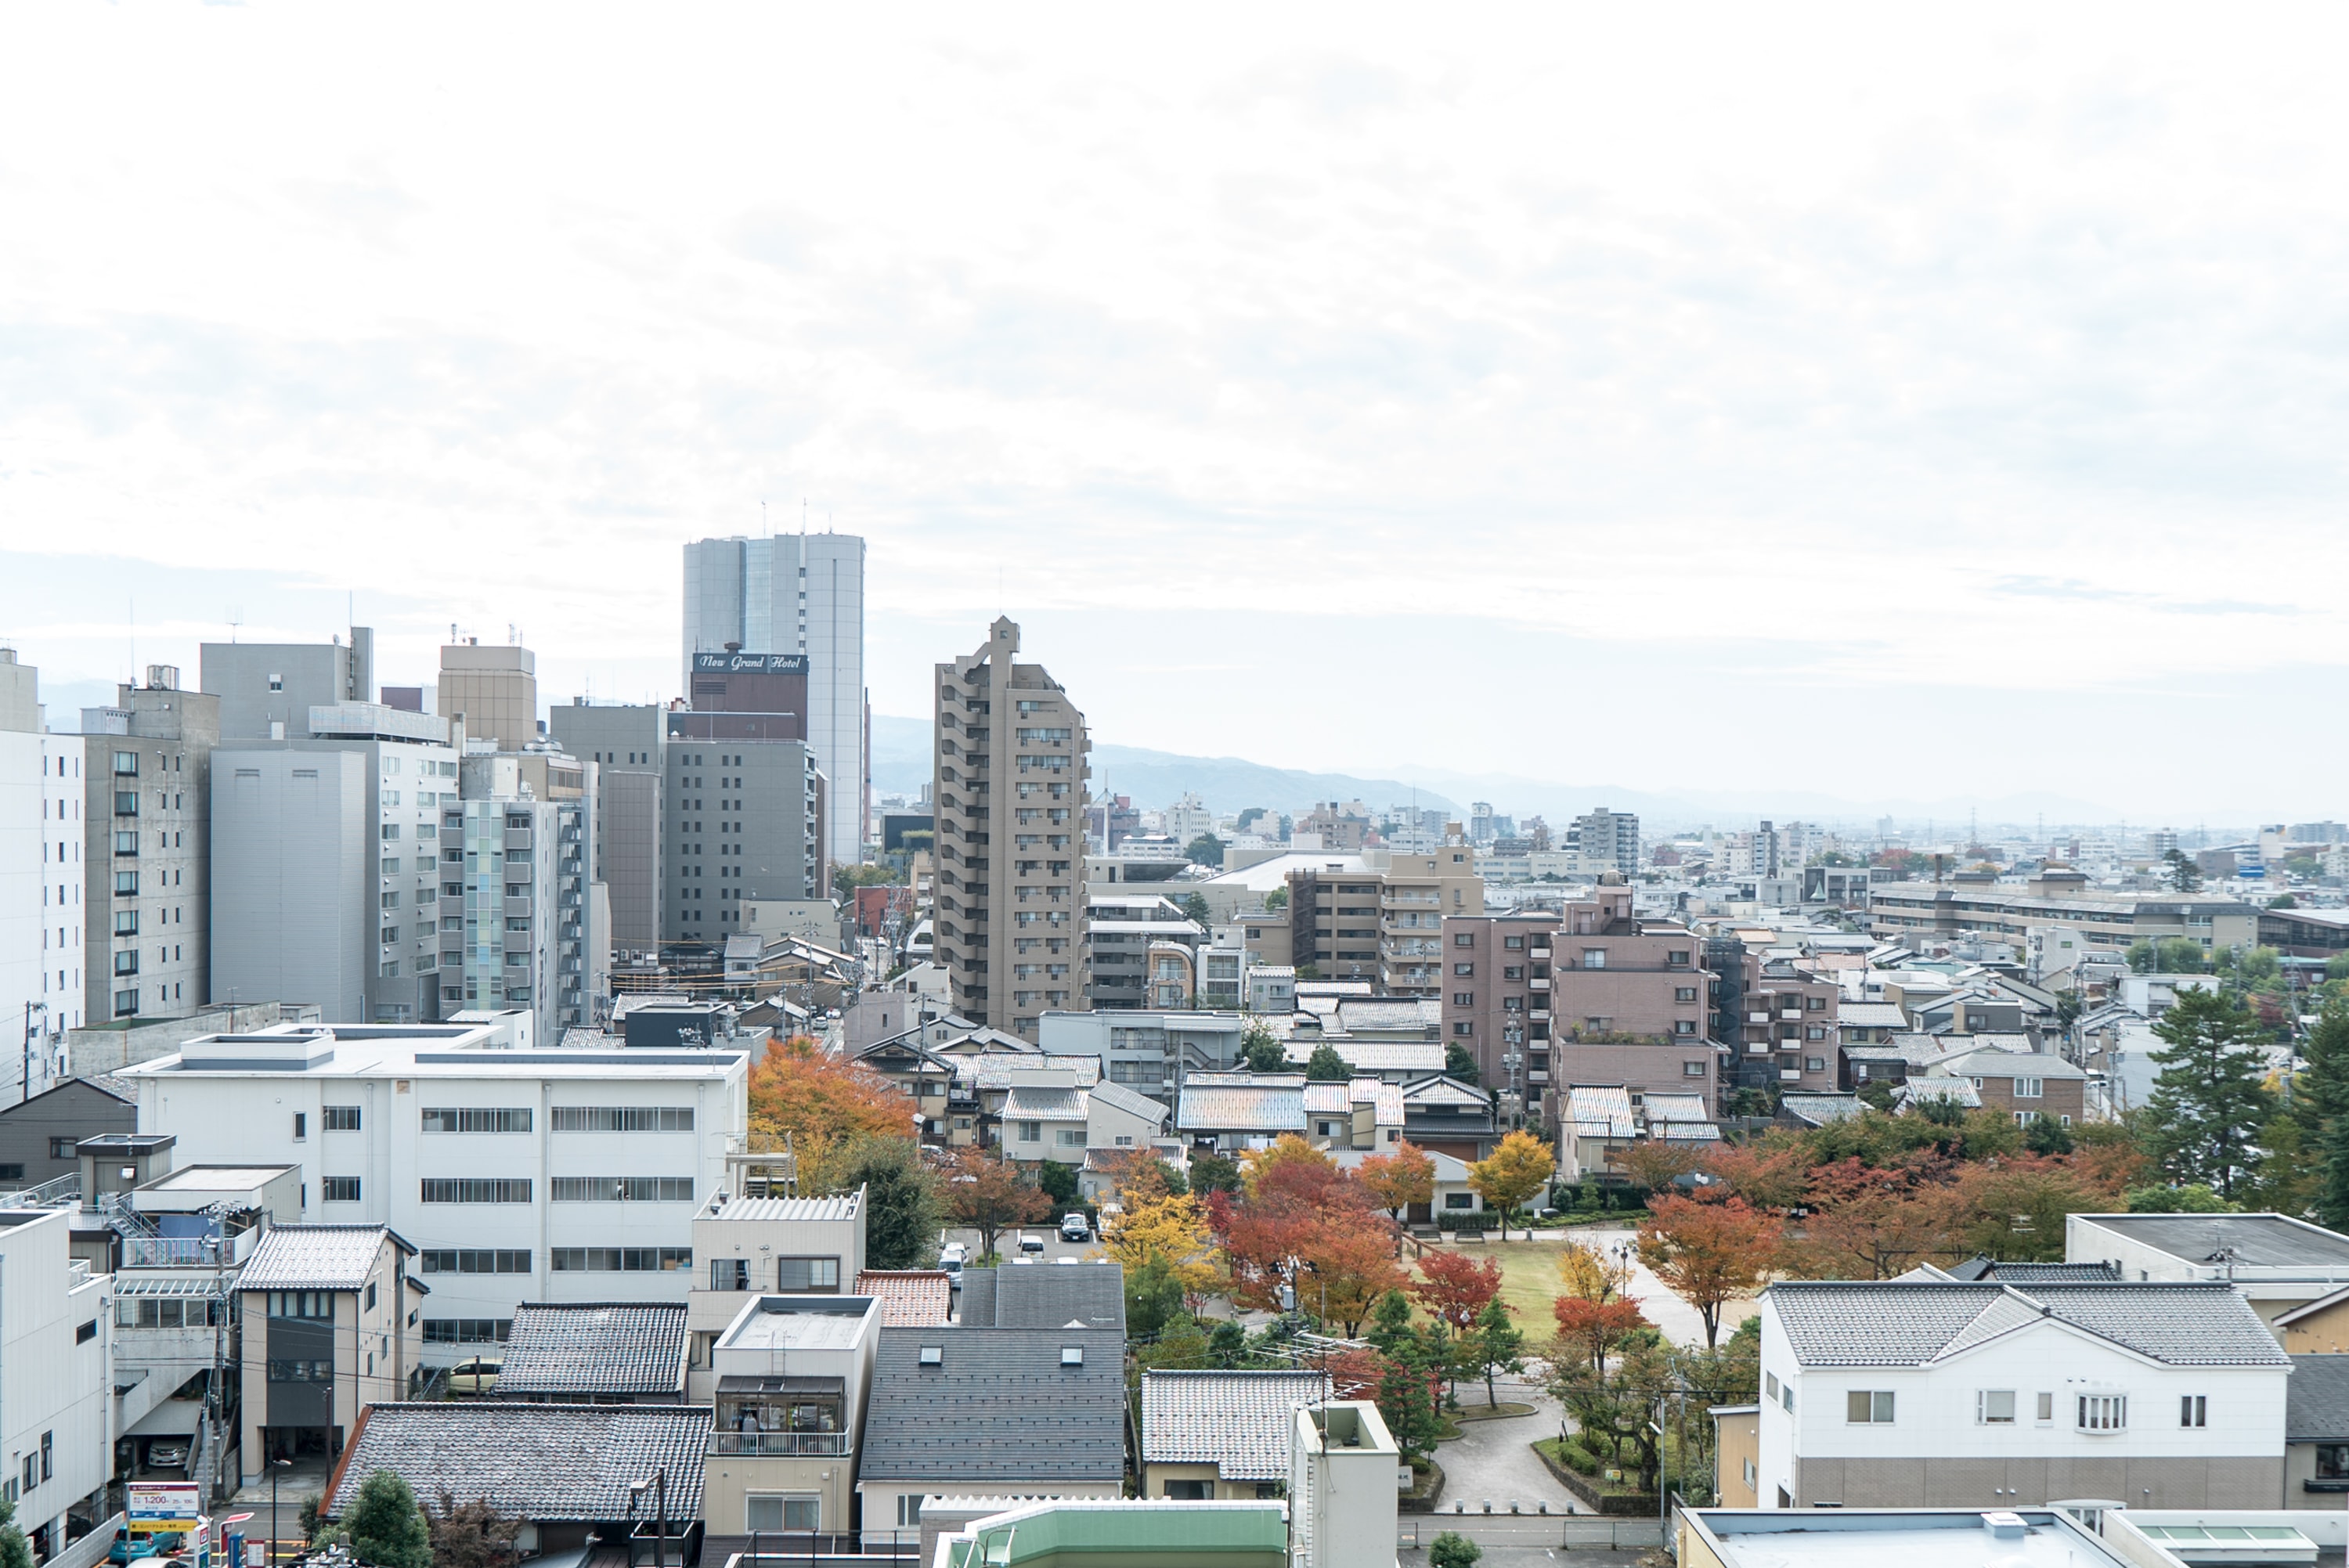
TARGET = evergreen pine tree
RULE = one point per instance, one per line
(388, 1529)
(2210, 1104)
(2332, 1190)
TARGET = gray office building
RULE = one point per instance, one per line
(796, 593)
(629, 744)
(267, 690)
(744, 821)
(147, 813)
(325, 863)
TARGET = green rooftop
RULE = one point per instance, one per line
(1114, 1534)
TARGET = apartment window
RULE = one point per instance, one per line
(1868, 1407)
(1814, 1064)
(473, 1259)
(340, 1188)
(61, 1149)
(1069, 1137)
(2332, 1462)
(475, 1189)
(1770, 1387)
(126, 884)
(339, 1119)
(1032, 1132)
(621, 1259)
(802, 1276)
(316, 1304)
(1594, 958)
(126, 763)
(301, 1126)
(1684, 993)
(2194, 1410)
(2029, 1088)
(1994, 1407)
(477, 1118)
(1464, 971)
(467, 1330)
(284, 1371)
(1463, 998)
(623, 1189)
(620, 1118)
(1677, 958)
(1513, 943)
(2101, 1412)
(1463, 939)
(85, 1333)
(1683, 1025)
(1693, 1069)
(909, 1512)
(764, 1512)
(1463, 1028)
(2046, 1407)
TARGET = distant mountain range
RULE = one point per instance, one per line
(901, 764)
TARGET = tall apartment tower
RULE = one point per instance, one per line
(148, 810)
(1608, 842)
(41, 884)
(494, 690)
(267, 690)
(1009, 777)
(796, 593)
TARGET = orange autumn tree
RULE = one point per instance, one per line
(823, 1103)
(1453, 1287)
(1397, 1180)
(1709, 1254)
(990, 1196)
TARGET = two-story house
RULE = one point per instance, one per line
(1921, 1392)
(331, 1325)
(794, 1376)
(766, 1246)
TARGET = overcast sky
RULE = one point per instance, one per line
(1775, 396)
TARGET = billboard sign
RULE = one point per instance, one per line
(160, 1505)
(750, 663)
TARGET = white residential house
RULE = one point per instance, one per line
(746, 1246)
(519, 1175)
(1919, 1392)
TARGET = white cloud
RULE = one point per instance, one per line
(2000, 354)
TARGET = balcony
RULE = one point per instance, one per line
(1539, 1014)
(519, 908)
(782, 1445)
(518, 841)
(1540, 982)
(1791, 1015)
(1790, 1075)
(1762, 1018)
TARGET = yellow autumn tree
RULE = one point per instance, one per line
(1521, 1167)
(1172, 1232)
(1259, 1165)
(1589, 1274)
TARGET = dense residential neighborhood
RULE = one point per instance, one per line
(627, 1129)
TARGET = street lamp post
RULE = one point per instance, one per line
(275, 1466)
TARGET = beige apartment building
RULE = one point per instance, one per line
(1379, 916)
(495, 688)
(1908, 911)
(1587, 995)
(1008, 777)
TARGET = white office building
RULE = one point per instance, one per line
(57, 1406)
(520, 1174)
(796, 593)
(41, 886)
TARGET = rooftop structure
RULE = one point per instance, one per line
(595, 1351)
(541, 1463)
(1220, 1434)
(1914, 1538)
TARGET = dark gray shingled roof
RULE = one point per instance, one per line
(595, 1347)
(2316, 1409)
(999, 1408)
(1237, 1422)
(2034, 1273)
(1044, 1295)
(316, 1257)
(530, 1461)
(1914, 1323)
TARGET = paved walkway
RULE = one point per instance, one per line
(306, 1480)
(1492, 1461)
(1677, 1319)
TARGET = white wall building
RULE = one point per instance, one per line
(57, 1374)
(520, 1175)
(1919, 1392)
(41, 887)
(2276, 1261)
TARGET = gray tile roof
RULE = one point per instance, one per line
(1044, 1295)
(1818, 1109)
(316, 1257)
(1000, 1407)
(2316, 1409)
(595, 1347)
(530, 1461)
(1128, 1100)
(2260, 1241)
(1237, 1422)
(1915, 1322)
(1274, 1106)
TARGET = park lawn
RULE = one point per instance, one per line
(1530, 1281)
